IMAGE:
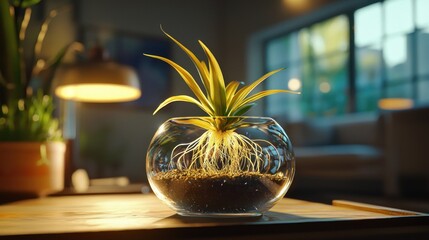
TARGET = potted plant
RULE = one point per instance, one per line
(224, 164)
(31, 149)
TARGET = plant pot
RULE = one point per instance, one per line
(239, 172)
(24, 170)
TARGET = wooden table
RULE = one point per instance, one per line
(138, 216)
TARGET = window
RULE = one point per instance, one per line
(390, 59)
(316, 62)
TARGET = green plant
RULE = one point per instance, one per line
(25, 77)
(220, 149)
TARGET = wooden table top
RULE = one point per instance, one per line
(139, 216)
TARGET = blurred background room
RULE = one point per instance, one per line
(360, 128)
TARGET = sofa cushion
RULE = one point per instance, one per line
(337, 157)
(358, 129)
(309, 133)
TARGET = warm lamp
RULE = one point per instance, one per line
(97, 80)
(395, 103)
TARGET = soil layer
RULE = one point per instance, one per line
(196, 192)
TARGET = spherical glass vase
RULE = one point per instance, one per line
(242, 170)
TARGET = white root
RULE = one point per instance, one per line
(217, 152)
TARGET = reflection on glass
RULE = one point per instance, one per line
(368, 25)
(368, 66)
(330, 36)
(423, 91)
(398, 16)
(423, 52)
(422, 16)
(397, 57)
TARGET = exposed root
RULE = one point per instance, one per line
(228, 152)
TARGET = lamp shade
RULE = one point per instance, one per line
(395, 103)
(97, 81)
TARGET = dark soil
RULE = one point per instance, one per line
(196, 192)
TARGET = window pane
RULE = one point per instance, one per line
(330, 36)
(331, 65)
(368, 28)
(276, 101)
(330, 90)
(423, 52)
(284, 50)
(367, 98)
(423, 91)
(397, 57)
(422, 16)
(308, 83)
(294, 50)
(400, 91)
(285, 104)
(304, 43)
(398, 16)
(276, 52)
(368, 66)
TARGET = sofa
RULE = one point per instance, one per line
(383, 153)
(406, 149)
(342, 154)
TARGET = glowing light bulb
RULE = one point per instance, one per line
(325, 87)
(294, 84)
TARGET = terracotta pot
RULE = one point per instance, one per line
(22, 169)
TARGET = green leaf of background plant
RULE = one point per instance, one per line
(24, 3)
(10, 66)
(52, 67)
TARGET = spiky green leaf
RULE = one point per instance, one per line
(190, 81)
(202, 123)
(180, 98)
(219, 92)
(245, 91)
(200, 66)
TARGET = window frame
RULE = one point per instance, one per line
(258, 42)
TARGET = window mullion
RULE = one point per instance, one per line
(352, 64)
